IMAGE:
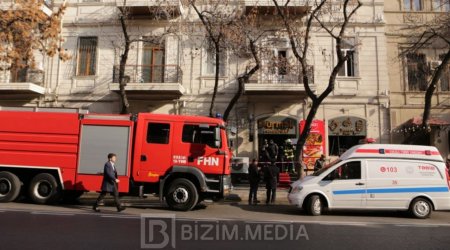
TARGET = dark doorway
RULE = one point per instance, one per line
(340, 144)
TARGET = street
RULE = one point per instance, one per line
(221, 225)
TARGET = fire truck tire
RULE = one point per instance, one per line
(182, 195)
(44, 189)
(9, 186)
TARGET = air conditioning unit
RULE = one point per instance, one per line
(239, 165)
(434, 64)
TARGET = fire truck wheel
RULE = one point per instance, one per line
(44, 189)
(420, 208)
(182, 195)
(314, 205)
(9, 186)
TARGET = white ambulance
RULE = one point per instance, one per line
(378, 177)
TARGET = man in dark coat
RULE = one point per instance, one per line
(109, 184)
(271, 178)
(253, 179)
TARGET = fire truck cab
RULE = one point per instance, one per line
(54, 153)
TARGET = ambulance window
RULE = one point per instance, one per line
(199, 135)
(348, 171)
(158, 133)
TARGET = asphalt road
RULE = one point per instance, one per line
(216, 226)
(57, 230)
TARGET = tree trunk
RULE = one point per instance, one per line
(423, 133)
(431, 88)
(123, 62)
(123, 81)
(216, 79)
(235, 98)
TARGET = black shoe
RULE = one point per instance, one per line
(119, 209)
(95, 208)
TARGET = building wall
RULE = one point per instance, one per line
(405, 104)
(364, 96)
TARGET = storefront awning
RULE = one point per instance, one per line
(432, 121)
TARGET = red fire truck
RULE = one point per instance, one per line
(47, 154)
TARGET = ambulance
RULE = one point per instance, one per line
(378, 177)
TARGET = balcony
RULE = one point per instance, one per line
(278, 82)
(46, 6)
(25, 83)
(148, 80)
(151, 9)
(295, 7)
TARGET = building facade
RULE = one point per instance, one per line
(409, 74)
(175, 75)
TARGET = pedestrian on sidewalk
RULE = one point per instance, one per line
(109, 184)
(320, 163)
(271, 178)
(253, 179)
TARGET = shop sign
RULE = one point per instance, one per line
(315, 143)
(277, 125)
(347, 126)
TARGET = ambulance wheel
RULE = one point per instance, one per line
(44, 189)
(314, 205)
(182, 195)
(9, 186)
(420, 208)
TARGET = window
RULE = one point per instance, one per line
(349, 67)
(412, 5)
(417, 71)
(441, 5)
(348, 171)
(211, 63)
(153, 63)
(199, 135)
(87, 56)
(280, 66)
(158, 133)
(348, 49)
(445, 77)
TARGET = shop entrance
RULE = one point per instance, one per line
(345, 132)
(279, 129)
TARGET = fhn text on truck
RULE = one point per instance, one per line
(49, 154)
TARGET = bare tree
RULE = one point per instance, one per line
(216, 17)
(161, 10)
(25, 28)
(334, 22)
(243, 36)
(434, 34)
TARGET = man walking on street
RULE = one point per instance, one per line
(253, 179)
(271, 178)
(109, 184)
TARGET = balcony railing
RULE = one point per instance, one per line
(35, 76)
(144, 9)
(149, 74)
(271, 75)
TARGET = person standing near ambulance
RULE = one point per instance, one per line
(253, 179)
(109, 184)
(320, 163)
(271, 178)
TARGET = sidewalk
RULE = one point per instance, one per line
(240, 194)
